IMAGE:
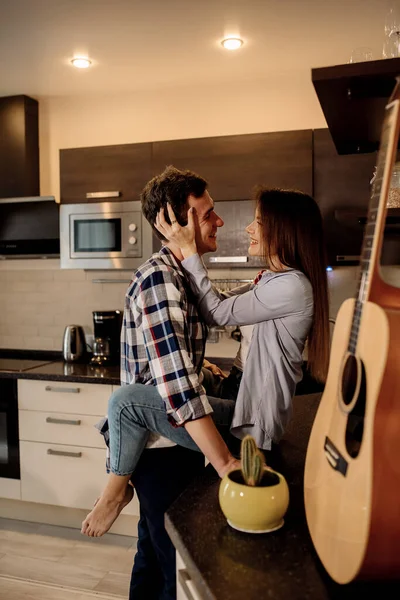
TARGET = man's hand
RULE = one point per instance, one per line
(215, 370)
(207, 437)
(233, 465)
(183, 237)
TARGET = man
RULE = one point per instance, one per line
(163, 343)
(162, 474)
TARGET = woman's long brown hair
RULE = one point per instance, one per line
(292, 230)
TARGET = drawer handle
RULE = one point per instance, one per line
(52, 388)
(64, 453)
(187, 585)
(103, 195)
(63, 421)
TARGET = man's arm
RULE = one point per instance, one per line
(205, 434)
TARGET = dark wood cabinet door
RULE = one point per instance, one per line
(342, 190)
(234, 164)
(19, 147)
(122, 168)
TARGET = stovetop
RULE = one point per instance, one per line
(18, 365)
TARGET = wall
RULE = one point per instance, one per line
(36, 303)
(37, 299)
(248, 107)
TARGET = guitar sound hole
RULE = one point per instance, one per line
(349, 379)
(355, 419)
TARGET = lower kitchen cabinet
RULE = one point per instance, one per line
(185, 586)
(60, 428)
(62, 475)
(62, 455)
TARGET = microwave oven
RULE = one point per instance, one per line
(104, 235)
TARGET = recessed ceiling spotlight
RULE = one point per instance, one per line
(81, 63)
(232, 43)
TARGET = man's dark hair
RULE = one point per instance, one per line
(173, 186)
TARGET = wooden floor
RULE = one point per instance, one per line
(44, 562)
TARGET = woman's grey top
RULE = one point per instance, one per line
(281, 307)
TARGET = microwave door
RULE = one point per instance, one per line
(96, 236)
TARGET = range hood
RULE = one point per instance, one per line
(29, 223)
(29, 227)
(19, 149)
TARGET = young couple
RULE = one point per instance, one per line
(168, 304)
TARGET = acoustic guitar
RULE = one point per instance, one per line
(352, 471)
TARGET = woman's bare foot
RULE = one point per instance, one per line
(104, 513)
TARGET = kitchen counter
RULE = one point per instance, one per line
(49, 366)
(75, 372)
(225, 563)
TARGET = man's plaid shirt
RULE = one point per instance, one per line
(163, 338)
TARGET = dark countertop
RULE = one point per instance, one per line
(74, 372)
(49, 366)
(225, 563)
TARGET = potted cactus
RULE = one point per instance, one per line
(254, 498)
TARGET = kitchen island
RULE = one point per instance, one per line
(224, 563)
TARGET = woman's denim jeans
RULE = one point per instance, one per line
(135, 410)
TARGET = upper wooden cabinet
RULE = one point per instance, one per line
(234, 164)
(122, 168)
(19, 147)
(342, 190)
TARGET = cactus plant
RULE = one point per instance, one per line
(253, 462)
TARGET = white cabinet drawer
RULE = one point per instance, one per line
(63, 396)
(60, 428)
(74, 480)
(185, 587)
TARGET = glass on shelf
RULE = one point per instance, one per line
(391, 44)
(361, 54)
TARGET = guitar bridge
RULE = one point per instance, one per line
(334, 457)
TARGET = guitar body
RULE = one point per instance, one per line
(352, 474)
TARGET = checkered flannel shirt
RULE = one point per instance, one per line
(163, 338)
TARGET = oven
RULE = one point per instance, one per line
(9, 440)
(104, 235)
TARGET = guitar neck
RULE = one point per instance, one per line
(372, 244)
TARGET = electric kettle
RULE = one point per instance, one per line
(74, 343)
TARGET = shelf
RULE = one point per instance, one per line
(353, 99)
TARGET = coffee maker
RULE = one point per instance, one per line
(107, 330)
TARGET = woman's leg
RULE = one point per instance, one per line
(133, 411)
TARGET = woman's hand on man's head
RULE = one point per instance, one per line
(181, 236)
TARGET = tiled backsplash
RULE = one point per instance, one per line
(37, 301)
(36, 305)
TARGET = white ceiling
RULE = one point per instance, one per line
(151, 44)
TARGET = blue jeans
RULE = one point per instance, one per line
(159, 478)
(136, 409)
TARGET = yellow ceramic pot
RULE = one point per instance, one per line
(254, 509)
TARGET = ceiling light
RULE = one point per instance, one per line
(232, 43)
(81, 63)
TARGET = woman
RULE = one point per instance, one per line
(288, 305)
